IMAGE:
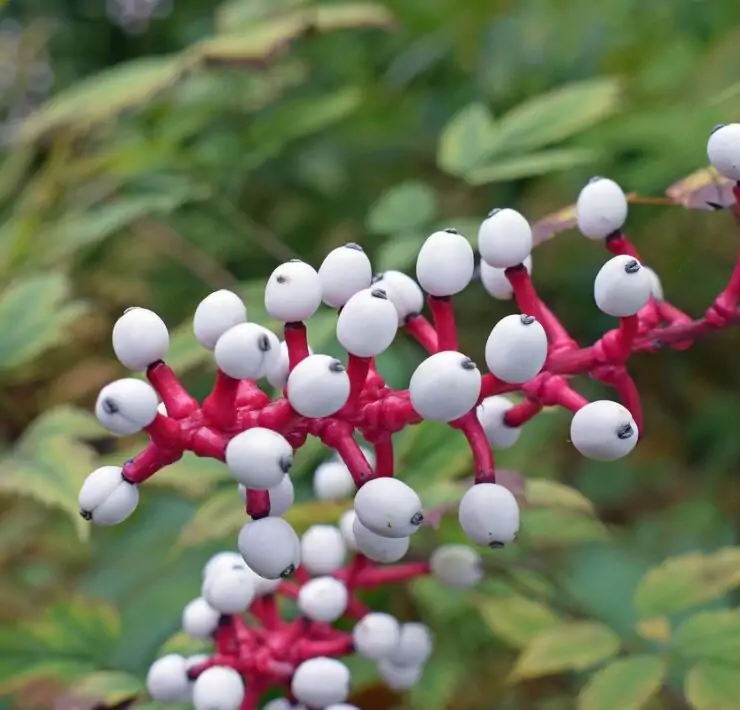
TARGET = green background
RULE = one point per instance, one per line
(151, 165)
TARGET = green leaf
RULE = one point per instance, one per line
(556, 115)
(109, 687)
(403, 207)
(184, 645)
(556, 527)
(575, 646)
(624, 684)
(34, 317)
(710, 635)
(545, 493)
(398, 252)
(101, 97)
(531, 165)
(687, 581)
(466, 140)
(71, 640)
(516, 619)
(713, 686)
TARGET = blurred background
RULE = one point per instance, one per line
(152, 151)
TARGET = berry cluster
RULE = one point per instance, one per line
(528, 352)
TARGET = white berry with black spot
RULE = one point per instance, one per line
(140, 338)
(489, 515)
(259, 458)
(376, 547)
(389, 507)
(126, 406)
(622, 287)
(106, 498)
(491, 414)
(270, 547)
(445, 263)
(247, 351)
(445, 386)
(516, 348)
(601, 209)
(504, 238)
(603, 431)
(293, 292)
(345, 271)
(216, 313)
(319, 386)
(367, 324)
(402, 291)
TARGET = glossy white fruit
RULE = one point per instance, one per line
(140, 338)
(601, 208)
(445, 386)
(321, 681)
(504, 238)
(333, 481)
(278, 370)
(216, 313)
(622, 287)
(367, 324)
(516, 349)
(457, 566)
(346, 527)
(399, 678)
(293, 292)
(318, 386)
(495, 282)
(723, 150)
(491, 412)
(389, 508)
(345, 271)
(489, 515)
(218, 688)
(377, 548)
(376, 635)
(603, 431)
(403, 292)
(247, 351)
(259, 458)
(229, 590)
(270, 547)
(445, 263)
(414, 645)
(323, 599)
(199, 619)
(323, 550)
(106, 498)
(167, 679)
(126, 406)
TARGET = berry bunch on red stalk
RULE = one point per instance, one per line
(528, 352)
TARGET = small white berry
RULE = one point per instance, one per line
(270, 547)
(491, 412)
(140, 338)
(323, 549)
(323, 599)
(456, 566)
(293, 292)
(367, 324)
(445, 386)
(414, 645)
(445, 263)
(333, 481)
(321, 681)
(399, 678)
(377, 548)
(346, 527)
(403, 292)
(516, 349)
(259, 458)
(601, 208)
(218, 688)
(376, 635)
(318, 386)
(389, 508)
(345, 271)
(167, 679)
(489, 515)
(247, 351)
(229, 590)
(200, 619)
(106, 498)
(215, 314)
(622, 287)
(504, 238)
(603, 431)
(723, 150)
(126, 406)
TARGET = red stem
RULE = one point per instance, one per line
(258, 504)
(145, 464)
(384, 459)
(338, 436)
(296, 340)
(522, 412)
(176, 399)
(341, 646)
(219, 407)
(391, 574)
(443, 315)
(422, 331)
(358, 369)
(524, 293)
(469, 425)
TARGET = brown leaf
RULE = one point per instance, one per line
(702, 190)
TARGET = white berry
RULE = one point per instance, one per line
(367, 324)
(318, 386)
(282, 496)
(414, 645)
(389, 508)
(491, 412)
(347, 528)
(200, 619)
(247, 351)
(495, 282)
(270, 547)
(403, 292)
(229, 590)
(376, 635)
(323, 549)
(218, 688)
(345, 271)
(293, 292)
(622, 287)
(222, 559)
(321, 681)
(323, 599)
(167, 679)
(723, 149)
(333, 481)
(377, 548)
(603, 431)
(456, 566)
(106, 498)
(445, 263)
(126, 406)
(445, 386)
(601, 208)
(399, 678)
(259, 458)
(656, 287)
(215, 314)
(140, 338)
(504, 238)
(489, 515)
(516, 349)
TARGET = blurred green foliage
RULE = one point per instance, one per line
(224, 140)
